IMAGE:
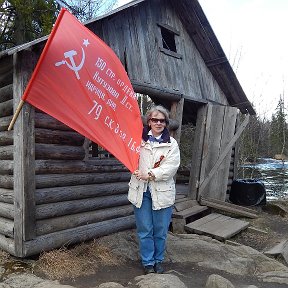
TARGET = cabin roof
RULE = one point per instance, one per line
(203, 36)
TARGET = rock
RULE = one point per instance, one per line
(110, 285)
(31, 281)
(217, 281)
(274, 277)
(209, 253)
(159, 281)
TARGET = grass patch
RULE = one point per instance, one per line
(81, 260)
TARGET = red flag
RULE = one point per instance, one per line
(80, 81)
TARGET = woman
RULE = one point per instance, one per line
(152, 188)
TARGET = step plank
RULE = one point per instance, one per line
(189, 212)
(217, 225)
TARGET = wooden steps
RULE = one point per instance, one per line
(184, 210)
(217, 225)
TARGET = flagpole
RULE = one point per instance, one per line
(20, 105)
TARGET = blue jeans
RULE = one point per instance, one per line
(152, 228)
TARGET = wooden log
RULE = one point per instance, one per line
(6, 93)
(7, 210)
(6, 167)
(228, 207)
(78, 234)
(6, 153)
(60, 194)
(6, 227)
(6, 138)
(51, 210)
(24, 148)
(6, 64)
(6, 195)
(7, 244)
(6, 181)
(48, 136)
(4, 122)
(61, 180)
(6, 108)
(61, 152)
(75, 220)
(76, 166)
(6, 77)
(46, 121)
(156, 91)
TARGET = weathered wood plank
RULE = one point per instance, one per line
(61, 180)
(6, 227)
(6, 153)
(228, 207)
(205, 181)
(6, 108)
(48, 136)
(6, 167)
(6, 138)
(185, 204)
(7, 244)
(6, 181)
(6, 93)
(60, 194)
(6, 195)
(46, 121)
(80, 219)
(7, 210)
(197, 152)
(76, 166)
(4, 122)
(78, 234)
(176, 113)
(24, 163)
(6, 77)
(194, 210)
(45, 211)
(218, 226)
(60, 152)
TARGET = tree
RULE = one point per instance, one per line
(278, 130)
(87, 9)
(25, 20)
(22, 21)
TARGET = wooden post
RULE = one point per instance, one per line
(24, 155)
(197, 152)
(176, 113)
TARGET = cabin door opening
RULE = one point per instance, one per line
(214, 142)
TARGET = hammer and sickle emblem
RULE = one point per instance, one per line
(70, 55)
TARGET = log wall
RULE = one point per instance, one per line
(135, 36)
(6, 156)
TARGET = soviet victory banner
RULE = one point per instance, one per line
(81, 82)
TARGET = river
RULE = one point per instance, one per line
(272, 173)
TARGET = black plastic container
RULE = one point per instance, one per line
(247, 192)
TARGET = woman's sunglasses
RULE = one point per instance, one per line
(155, 120)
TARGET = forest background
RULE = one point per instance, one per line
(22, 21)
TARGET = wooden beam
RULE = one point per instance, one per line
(24, 164)
(176, 113)
(78, 234)
(228, 207)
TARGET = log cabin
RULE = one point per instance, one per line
(53, 190)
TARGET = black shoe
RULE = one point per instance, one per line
(149, 269)
(158, 268)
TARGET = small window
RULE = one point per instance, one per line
(168, 41)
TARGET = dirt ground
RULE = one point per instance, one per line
(273, 220)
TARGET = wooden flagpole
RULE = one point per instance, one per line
(20, 105)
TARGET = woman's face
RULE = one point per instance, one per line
(157, 123)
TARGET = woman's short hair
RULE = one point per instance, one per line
(158, 108)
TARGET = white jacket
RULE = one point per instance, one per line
(162, 188)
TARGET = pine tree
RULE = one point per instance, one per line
(278, 130)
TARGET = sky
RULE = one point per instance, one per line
(254, 37)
